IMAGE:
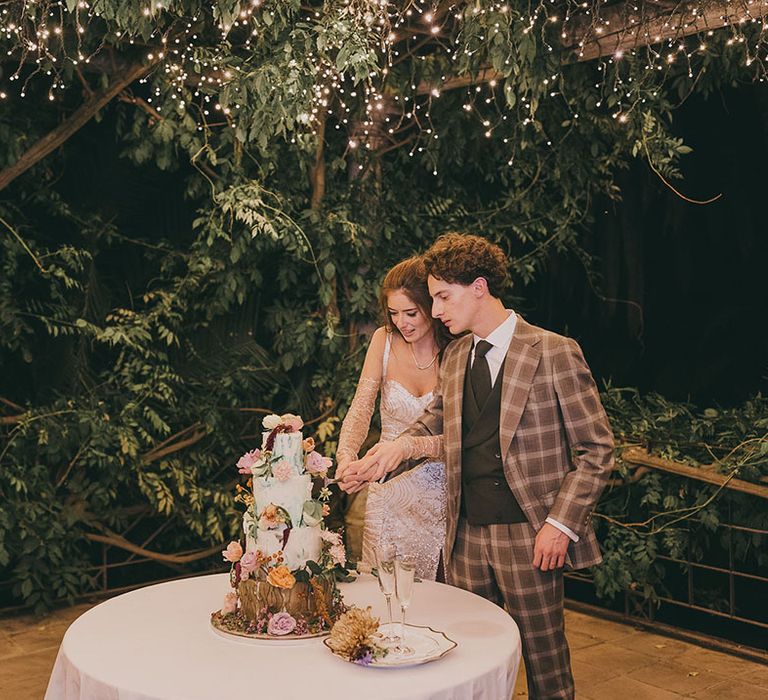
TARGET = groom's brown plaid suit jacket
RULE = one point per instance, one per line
(556, 441)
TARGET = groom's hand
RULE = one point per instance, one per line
(550, 548)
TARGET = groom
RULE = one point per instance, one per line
(527, 448)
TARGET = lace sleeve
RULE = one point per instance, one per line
(419, 446)
(356, 423)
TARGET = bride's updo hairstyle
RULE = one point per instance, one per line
(410, 278)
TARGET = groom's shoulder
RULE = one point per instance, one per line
(550, 340)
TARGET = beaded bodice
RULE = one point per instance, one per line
(408, 510)
(399, 407)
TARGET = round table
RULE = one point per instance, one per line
(157, 643)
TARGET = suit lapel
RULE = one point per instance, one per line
(455, 389)
(519, 369)
(453, 400)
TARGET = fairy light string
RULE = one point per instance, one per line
(375, 69)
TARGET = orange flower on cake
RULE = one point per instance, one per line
(233, 552)
(281, 577)
(273, 516)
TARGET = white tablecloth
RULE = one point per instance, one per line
(157, 643)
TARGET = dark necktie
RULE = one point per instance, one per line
(480, 374)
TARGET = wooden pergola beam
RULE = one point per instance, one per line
(634, 29)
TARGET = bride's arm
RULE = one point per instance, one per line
(357, 422)
(425, 437)
(422, 440)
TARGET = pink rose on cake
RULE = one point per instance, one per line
(317, 464)
(230, 604)
(233, 552)
(248, 461)
(335, 546)
(338, 554)
(331, 537)
(282, 470)
(249, 563)
(281, 623)
(291, 422)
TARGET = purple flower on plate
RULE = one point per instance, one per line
(365, 659)
(281, 623)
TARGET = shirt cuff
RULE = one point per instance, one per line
(571, 534)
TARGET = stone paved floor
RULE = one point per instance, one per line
(610, 661)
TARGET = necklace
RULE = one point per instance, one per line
(416, 362)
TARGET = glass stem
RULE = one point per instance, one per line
(389, 609)
(402, 625)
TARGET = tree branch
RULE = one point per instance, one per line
(156, 453)
(318, 170)
(126, 96)
(71, 125)
(12, 420)
(11, 404)
(112, 539)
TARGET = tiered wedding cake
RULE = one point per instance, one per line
(284, 580)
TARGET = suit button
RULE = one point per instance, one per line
(497, 483)
(498, 456)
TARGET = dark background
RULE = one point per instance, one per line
(690, 316)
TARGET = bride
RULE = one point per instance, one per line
(402, 361)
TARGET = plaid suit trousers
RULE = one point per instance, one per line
(496, 562)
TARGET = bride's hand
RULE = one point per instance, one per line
(381, 459)
(342, 463)
(347, 481)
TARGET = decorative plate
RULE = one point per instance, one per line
(427, 644)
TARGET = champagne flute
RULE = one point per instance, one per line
(385, 572)
(405, 571)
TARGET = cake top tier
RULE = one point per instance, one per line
(284, 454)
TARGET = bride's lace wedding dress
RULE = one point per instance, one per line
(407, 510)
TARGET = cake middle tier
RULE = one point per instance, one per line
(291, 494)
(304, 544)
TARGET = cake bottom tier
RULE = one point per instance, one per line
(301, 601)
(314, 607)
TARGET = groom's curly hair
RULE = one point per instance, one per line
(460, 258)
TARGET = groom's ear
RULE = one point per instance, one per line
(479, 287)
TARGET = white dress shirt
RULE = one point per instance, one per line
(500, 338)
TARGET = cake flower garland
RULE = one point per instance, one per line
(243, 610)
